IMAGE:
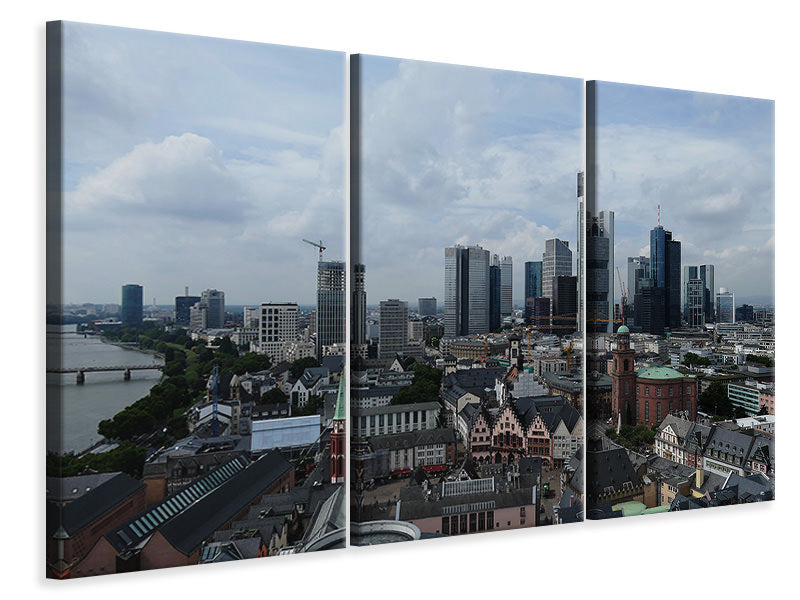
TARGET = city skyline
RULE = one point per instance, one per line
(487, 158)
(701, 165)
(200, 162)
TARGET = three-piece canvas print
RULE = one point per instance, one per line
(556, 302)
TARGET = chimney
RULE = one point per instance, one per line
(699, 478)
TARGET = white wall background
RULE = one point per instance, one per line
(724, 47)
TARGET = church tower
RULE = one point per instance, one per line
(338, 434)
(623, 380)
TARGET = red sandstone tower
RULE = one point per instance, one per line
(623, 380)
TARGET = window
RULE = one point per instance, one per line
(647, 390)
(446, 525)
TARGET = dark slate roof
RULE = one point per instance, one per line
(66, 489)
(410, 439)
(192, 514)
(313, 374)
(334, 364)
(755, 488)
(609, 469)
(188, 529)
(91, 505)
(474, 380)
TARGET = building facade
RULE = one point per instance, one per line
(330, 328)
(665, 268)
(556, 260)
(278, 325)
(132, 305)
(393, 328)
(466, 288)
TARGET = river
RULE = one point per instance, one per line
(103, 394)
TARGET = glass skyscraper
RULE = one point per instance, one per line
(665, 270)
(466, 291)
(331, 276)
(132, 303)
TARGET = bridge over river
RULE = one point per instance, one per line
(126, 371)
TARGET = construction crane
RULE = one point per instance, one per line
(623, 293)
(320, 246)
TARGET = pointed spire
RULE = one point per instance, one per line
(339, 413)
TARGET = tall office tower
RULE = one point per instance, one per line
(183, 305)
(359, 305)
(650, 307)
(581, 220)
(506, 286)
(556, 260)
(331, 277)
(565, 304)
(198, 316)
(215, 301)
(278, 325)
(495, 297)
(725, 306)
(466, 291)
(540, 314)
(706, 275)
(694, 303)
(600, 272)
(689, 273)
(638, 269)
(665, 269)
(393, 328)
(533, 284)
(426, 307)
(744, 313)
(132, 303)
(251, 316)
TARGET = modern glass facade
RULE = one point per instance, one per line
(330, 304)
(131, 311)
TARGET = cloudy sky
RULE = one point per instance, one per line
(708, 160)
(199, 162)
(454, 154)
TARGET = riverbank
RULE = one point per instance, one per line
(132, 346)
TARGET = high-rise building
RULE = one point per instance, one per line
(725, 306)
(600, 272)
(132, 304)
(183, 305)
(665, 269)
(506, 285)
(215, 302)
(495, 297)
(694, 302)
(466, 291)
(556, 260)
(638, 269)
(581, 220)
(540, 313)
(533, 284)
(393, 328)
(331, 276)
(278, 325)
(706, 275)
(744, 313)
(565, 304)
(251, 316)
(359, 305)
(426, 307)
(198, 316)
(650, 307)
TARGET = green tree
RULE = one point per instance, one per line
(273, 396)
